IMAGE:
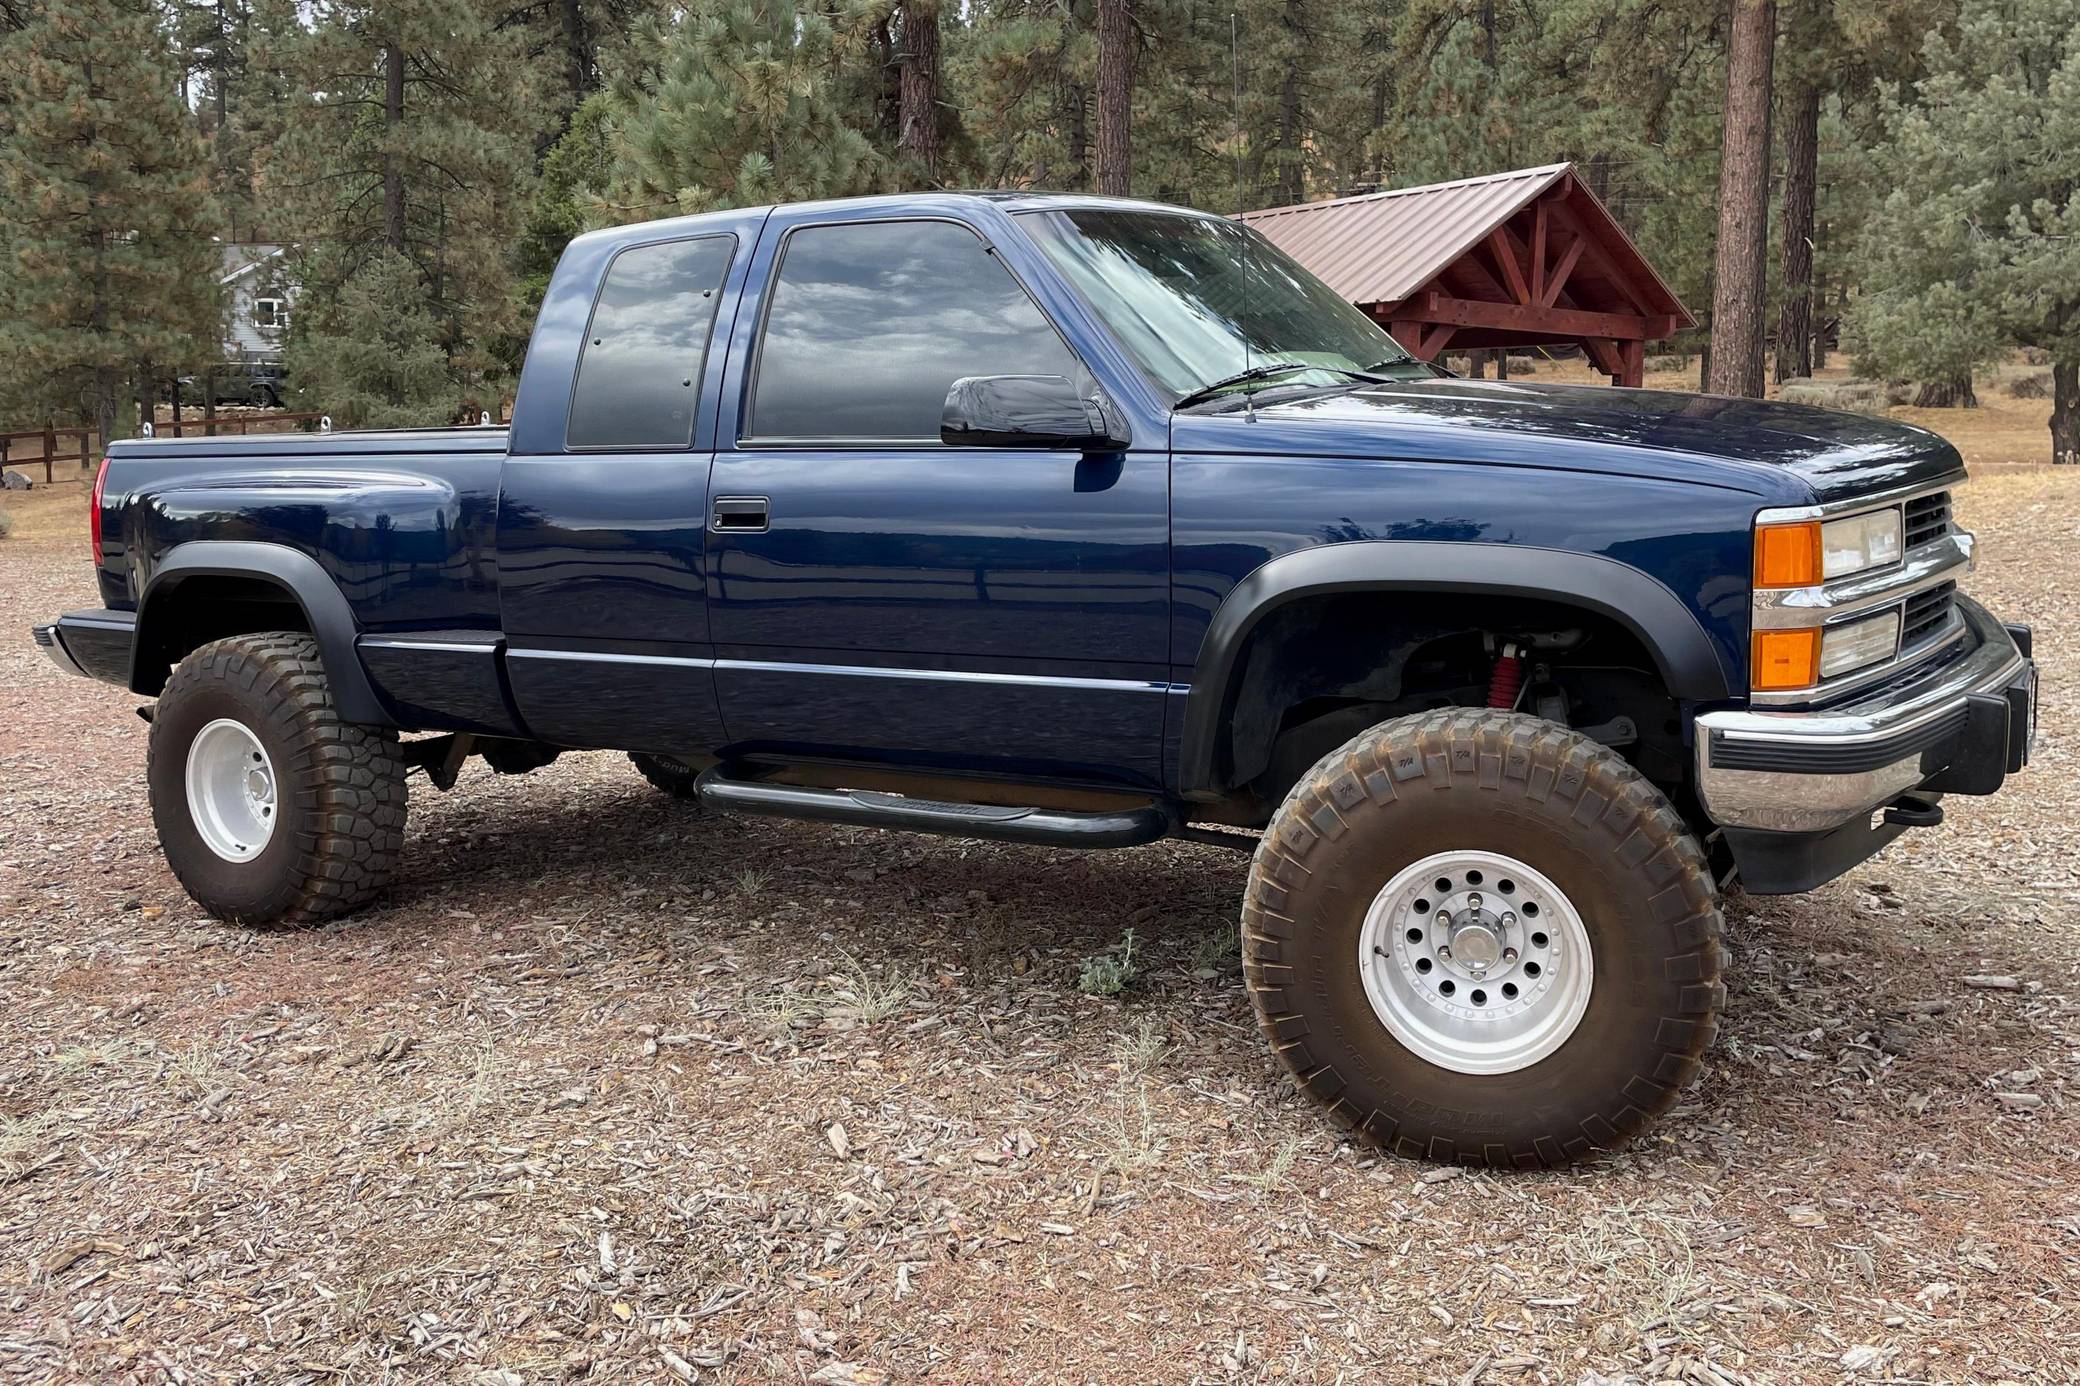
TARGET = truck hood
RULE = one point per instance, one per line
(1838, 455)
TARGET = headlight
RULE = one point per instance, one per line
(1843, 648)
(1812, 551)
(1858, 543)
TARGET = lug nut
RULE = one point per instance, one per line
(1444, 950)
(1473, 901)
(1509, 955)
(1509, 919)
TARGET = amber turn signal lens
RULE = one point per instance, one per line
(1787, 555)
(1785, 659)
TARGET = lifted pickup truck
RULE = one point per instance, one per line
(1079, 522)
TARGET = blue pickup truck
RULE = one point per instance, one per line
(1083, 523)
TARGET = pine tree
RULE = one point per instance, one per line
(106, 219)
(411, 136)
(747, 104)
(370, 354)
(1977, 246)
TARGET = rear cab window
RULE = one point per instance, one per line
(639, 372)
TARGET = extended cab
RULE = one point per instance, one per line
(1079, 522)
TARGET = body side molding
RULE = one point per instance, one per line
(303, 578)
(1670, 631)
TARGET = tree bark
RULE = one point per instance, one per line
(2065, 413)
(1291, 181)
(919, 101)
(1739, 282)
(393, 117)
(1801, 193)
(1946, 394)
(578, 55)
(1079, 137)
(1115, 171)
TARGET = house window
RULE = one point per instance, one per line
(270, 312)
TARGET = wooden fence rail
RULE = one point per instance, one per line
(49, 437)
(87, 450)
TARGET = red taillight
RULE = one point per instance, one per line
(94, 508)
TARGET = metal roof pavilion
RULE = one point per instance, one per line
(1523, 258)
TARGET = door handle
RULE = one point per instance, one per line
(742, 514)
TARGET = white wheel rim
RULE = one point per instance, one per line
(1514, 989)
(231, 790)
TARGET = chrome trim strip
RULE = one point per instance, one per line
(1788, 802)
(1877, 500)
(863, 671)
(391, 642)
(953, 675)
(1845, 599)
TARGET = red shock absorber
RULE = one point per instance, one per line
(1508, 679)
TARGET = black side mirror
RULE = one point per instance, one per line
(1027, 411)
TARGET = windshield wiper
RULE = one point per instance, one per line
(1271, 368)
(1229, 382)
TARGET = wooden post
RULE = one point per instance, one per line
(1632, 354)
(50, 449)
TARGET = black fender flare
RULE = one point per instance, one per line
(1682, 651)
(325, 607)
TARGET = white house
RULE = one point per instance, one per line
(259, 297)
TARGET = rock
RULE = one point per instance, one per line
(1989, 982)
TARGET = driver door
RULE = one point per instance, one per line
(878, 596)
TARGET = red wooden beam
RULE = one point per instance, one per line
(1504, 247)
(1434, 341)
(1519, 317)
(1550, 294)
(1538, 253)
(1632, 356)
(1604, 352)
(1598, 257)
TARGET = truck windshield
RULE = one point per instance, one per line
(1185, 293)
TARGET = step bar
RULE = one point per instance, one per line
(865, 808)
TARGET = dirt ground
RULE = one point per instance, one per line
(608, 1091)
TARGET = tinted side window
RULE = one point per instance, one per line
(640, 377)
(870, 323)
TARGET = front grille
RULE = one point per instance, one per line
(1927, 519)
(1927, 613)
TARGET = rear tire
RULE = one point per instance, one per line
(1593, 1008)
(674, 776)
(270, 809)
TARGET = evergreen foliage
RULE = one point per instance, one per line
(1976, 248)
(426, 161)
(108, 281)
(744, 106)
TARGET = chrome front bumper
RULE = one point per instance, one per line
(1960, 728)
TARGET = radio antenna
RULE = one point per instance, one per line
(1241, 202)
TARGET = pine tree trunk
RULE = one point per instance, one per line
(1740, 277)
(1946, 394)
(2065, 413)
(920, 85)
(1115, 97)
(577, 50)
(1079, 138)
(393, 177)
(1291, 182)
(1801, 192)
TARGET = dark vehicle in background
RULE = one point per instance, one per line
(256, 383)
(1083, 523)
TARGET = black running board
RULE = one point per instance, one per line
(871, 809)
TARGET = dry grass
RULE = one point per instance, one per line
(581, 1102)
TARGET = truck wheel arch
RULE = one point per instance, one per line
(326, 613)
(1682, 651)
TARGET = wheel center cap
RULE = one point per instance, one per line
(1477, 947)
(256, 784)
